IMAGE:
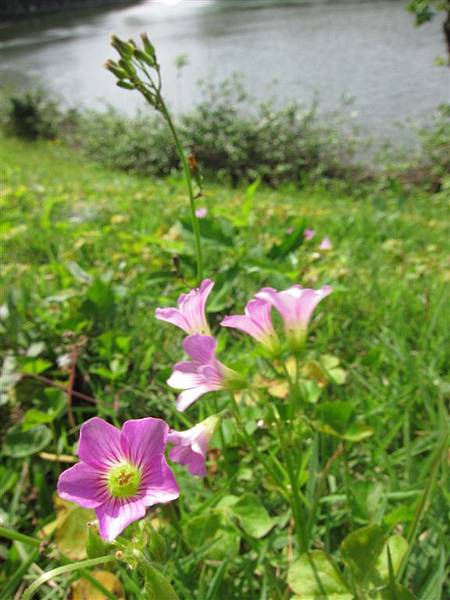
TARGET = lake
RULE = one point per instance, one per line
(369, 51)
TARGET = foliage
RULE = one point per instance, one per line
(32, 115)
(89, 254)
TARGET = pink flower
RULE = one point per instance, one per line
(203, 374)
(201, 213)
(296, 306)
(121, 472)
(257, 322)
(190, 314)
(309, 234)
(190, 446)
(325, 244)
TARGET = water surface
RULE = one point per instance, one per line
(369, 51)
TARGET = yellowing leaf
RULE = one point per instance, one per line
(70, 528)
(82, 589)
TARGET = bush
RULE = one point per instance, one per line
(229, 142)
(232, 141)
(32, 116)
(140, 145)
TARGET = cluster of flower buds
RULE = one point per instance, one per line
(137, 69)
(122, 472)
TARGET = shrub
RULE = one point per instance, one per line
(32, 115)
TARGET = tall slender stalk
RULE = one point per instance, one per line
(188, 178)
(138, 69)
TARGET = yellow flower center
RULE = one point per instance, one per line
(123, 480)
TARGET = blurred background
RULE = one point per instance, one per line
(369, 52)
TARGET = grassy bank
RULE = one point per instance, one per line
(89, 253)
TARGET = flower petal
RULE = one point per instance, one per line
(201, 348)
(83, 485)
(143, 438)
(158, 482)
(188, 397)
(99, 443)
(116, 514)
(182, 380)
(173, 316)
(185, 455)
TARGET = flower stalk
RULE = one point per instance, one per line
(138, 69)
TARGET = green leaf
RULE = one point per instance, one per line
(387, 593)
(398, 547)
(361, 549)
(95, 545)
(252, 516)
(313, 575)
(336, 415)
(219, 231)
(246, 206)
(289, 244)
(71, 536)
(33, 417)
(100, 302)
(199, 529)
(34, 365)
(19, 443)
(156, 585)
(357, 432)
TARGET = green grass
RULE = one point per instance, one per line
(88, 254)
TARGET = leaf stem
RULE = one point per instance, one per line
(78, 566)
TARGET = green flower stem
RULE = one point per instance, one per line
(78, 566)
(250, 441)
(295, 500)
(10, 534)
(188, 178)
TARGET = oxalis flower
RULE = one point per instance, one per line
(121, 473)
(190, 446)
(257, 322)
(295, 306)
(325, 244)
(204, 373)
(309, 234)
(190, 314)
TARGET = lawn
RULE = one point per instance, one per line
(89, 254)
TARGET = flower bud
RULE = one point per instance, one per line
(148, 46)
(123, 48)
(115, 69)
(128, 67)
(149, 60)
(125, 85)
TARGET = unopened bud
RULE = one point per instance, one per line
(125, 84)
(143, 56)
(119, 554)
(148, 46)
(115, 69)
(123, 48)
(128, 67)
